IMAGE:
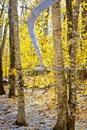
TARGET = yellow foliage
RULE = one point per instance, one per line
(13, 72)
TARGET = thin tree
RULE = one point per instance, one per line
(21, 118)
(1, 56)
(12, 77)
(83, 71)
(73, 66)
(69, 12)
(2, 41)
(59, 68)
(69, 36)
(1, 77)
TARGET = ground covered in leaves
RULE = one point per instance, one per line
(41, 110)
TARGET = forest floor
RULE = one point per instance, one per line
(41, 110)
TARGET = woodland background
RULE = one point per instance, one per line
(62, 38)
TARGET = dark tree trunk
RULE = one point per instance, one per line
(12, 77)
(1, 55)
(69, 39)
(1, 77)
(74, 42)
(83, 72)
(69, 36)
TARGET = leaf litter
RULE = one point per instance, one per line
(41, 110)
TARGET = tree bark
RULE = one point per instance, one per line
(69, 12)
(12, 20)
(83, 72)
(69, 35)
(1, 55)
(73, 66)
(1, 77)
(59, 69)
(21, 118)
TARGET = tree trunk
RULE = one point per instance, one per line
(1, 55)
(69, 40)
(73, 66)
(12, 20)
(83, 72)
(1, 76)
(69, 35)
(59, 69)
(21, 118)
